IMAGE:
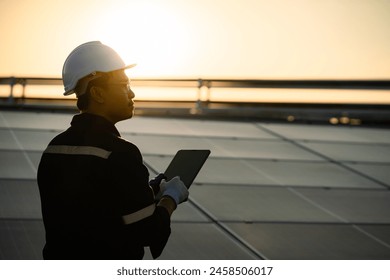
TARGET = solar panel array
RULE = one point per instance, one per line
(268, 190)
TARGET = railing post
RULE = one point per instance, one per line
(198, 106)
(12, 83)
(208, 85)
(23, 82)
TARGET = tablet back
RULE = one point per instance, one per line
(187, 164)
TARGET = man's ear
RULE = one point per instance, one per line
(97, 94)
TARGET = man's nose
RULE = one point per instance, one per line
(131, 94)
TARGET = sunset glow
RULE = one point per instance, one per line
(249, 39)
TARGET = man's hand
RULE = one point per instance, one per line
(175, 189)
(155, 183)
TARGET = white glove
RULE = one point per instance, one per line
(175, 189)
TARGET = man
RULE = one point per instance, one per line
(96, 199)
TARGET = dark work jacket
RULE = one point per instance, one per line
(95, 196)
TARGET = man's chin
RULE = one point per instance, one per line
(130, 115)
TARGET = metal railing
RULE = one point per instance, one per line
(215, 83)
(204, 105)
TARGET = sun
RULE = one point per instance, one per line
(150, 35)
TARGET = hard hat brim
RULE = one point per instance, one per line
(71, 91)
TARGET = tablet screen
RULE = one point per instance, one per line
(187, 164)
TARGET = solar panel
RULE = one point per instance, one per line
(277, 191)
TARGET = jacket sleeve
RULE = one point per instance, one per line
(143, 221)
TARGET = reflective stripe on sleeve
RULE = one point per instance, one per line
(77, 150)
(139, 215)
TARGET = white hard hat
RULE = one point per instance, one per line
(87, 59)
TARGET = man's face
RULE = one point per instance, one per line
(119, 97)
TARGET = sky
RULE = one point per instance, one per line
(256, 39)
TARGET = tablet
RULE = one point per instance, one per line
(187, 164)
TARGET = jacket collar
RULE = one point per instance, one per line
(94, 122)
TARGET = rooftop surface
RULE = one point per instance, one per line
(268, 190)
